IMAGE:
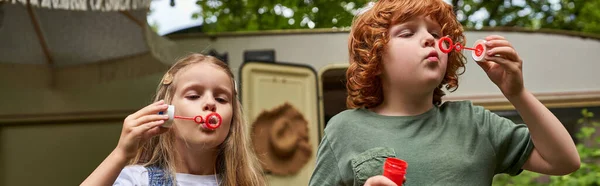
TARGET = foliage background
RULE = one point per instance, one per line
(254, 15)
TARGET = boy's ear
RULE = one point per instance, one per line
(378, 72)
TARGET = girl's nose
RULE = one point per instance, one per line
(210, 106)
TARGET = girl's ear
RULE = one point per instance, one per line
(167, 79)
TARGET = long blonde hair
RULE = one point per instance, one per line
(236, 162)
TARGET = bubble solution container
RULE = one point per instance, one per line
(395, 169)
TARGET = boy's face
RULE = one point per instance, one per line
(412, 60)
(201, 89)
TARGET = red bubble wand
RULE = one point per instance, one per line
(212, 122)
(446, 46)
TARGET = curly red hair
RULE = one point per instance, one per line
(369, 36)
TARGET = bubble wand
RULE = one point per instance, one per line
(213, 120)
(478, 49)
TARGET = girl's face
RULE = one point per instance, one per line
(201, 89)
(412, 58)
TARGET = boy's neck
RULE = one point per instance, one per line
(197, 162)
(403, 104)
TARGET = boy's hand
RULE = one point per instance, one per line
(379, 181)
(139, 127)
(503, 66)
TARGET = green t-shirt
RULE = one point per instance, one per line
(456, 143)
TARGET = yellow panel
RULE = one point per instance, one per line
(268, 85)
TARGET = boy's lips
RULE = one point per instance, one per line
(433, 56)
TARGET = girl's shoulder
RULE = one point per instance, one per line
(133, 175)
(136, 169)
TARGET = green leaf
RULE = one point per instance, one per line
(195, 15)
(587, 131)
(596, 153)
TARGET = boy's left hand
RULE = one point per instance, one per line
(503, 65)
(379, 180)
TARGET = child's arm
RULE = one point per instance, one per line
(554, 152)
(137, 129)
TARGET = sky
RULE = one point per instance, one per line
(171, 19)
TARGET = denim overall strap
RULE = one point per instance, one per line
(158, 177)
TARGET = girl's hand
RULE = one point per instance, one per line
(503, 66)
(379, 180)
(141, 126)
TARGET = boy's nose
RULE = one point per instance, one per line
(429, 41)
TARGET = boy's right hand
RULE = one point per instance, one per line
(141, 126)
(379, 180)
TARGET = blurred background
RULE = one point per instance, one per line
(72, 70)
